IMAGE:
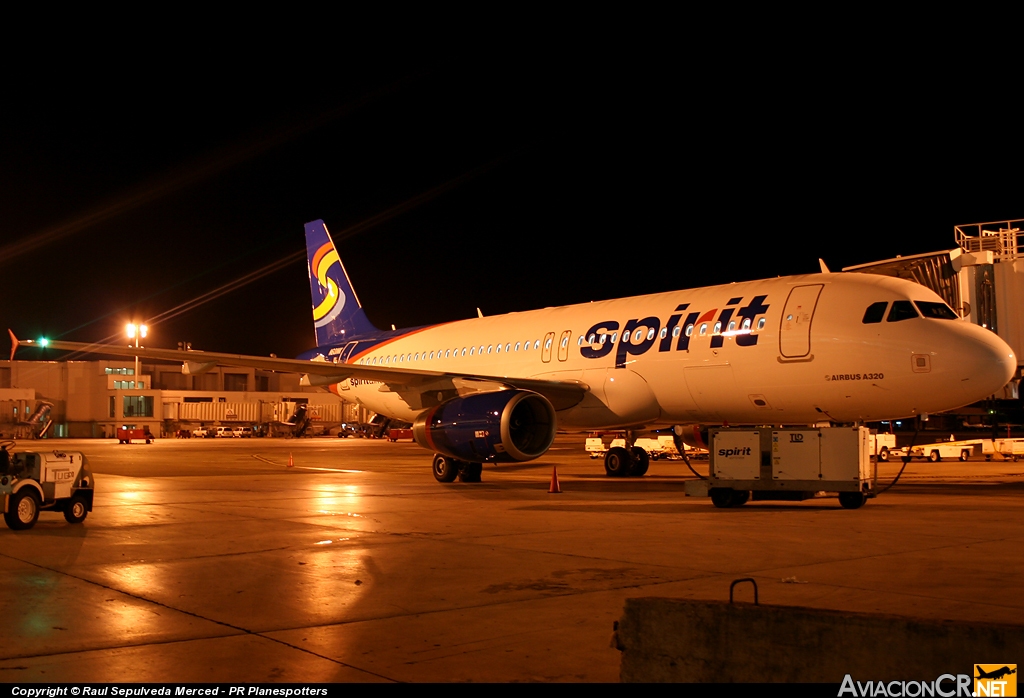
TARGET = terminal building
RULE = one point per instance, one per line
(91, 399)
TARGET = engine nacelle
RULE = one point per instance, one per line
(498, 427)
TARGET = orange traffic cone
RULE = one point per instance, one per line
(291, 463)
(555, 489)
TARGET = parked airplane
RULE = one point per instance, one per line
(792, 350)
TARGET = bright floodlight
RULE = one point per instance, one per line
(143, 330)
(130, 329)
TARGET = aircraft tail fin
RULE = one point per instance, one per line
(337, 313)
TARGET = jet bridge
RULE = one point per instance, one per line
(982, 279)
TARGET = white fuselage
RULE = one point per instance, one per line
(798, 352)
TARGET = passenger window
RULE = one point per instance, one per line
(939, 311)
(579, 342)
(703, 329)
(471, 350)
(614, 336)
(746, 324)
(591, 338)
(732, 326)
(676, 331)
(517, 346)
(603, 339)
(875, 312)
(463, 351)
(689, 330)
(508, 346)
(901, 310)
(447, 353)
(718, 329)
(565, 342)
(663, 333)
(760, 324)
(639, 335)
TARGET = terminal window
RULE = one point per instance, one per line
(138, 406)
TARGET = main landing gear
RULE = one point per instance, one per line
(623, 462)
(446, 469)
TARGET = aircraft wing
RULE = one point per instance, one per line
(414, 385)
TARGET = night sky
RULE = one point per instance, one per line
(505, 181)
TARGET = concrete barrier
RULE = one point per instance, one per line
(706, 641)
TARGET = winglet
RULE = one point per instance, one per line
(14, 342)
(824, 267)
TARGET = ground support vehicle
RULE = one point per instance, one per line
(242, 432)
(203, 433)
(396, 433)
(883, 446)
(951, 449)
(346, 430)
(657, 448)
(1010, 449)
(31, 482)
(125, 435)
(788, 465)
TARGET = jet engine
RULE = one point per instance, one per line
(496, 427)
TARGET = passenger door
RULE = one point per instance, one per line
(795, 330)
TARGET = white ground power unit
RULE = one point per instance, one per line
(788, 464)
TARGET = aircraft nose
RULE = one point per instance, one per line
(990, 364)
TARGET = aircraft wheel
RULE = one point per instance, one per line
(641, 462)
(445, 469)
(22, 509)
(964, 454)
(739, 498)
(852, 500)
(470, 472)
(883, 455)
(721, 497)
(76, 510)
(617, 462)
(934, 457)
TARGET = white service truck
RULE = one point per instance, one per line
(32, 481)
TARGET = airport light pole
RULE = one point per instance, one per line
(135, 334)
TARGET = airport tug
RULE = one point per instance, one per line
(31, 482)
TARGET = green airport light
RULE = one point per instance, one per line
(43, 341)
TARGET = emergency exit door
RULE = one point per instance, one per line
(549, 339)
(795, 331)
(563, 345)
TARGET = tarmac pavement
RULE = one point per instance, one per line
(213, 561)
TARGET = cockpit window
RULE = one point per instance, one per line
(901, 310)
(939, 311)
(875, 312)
